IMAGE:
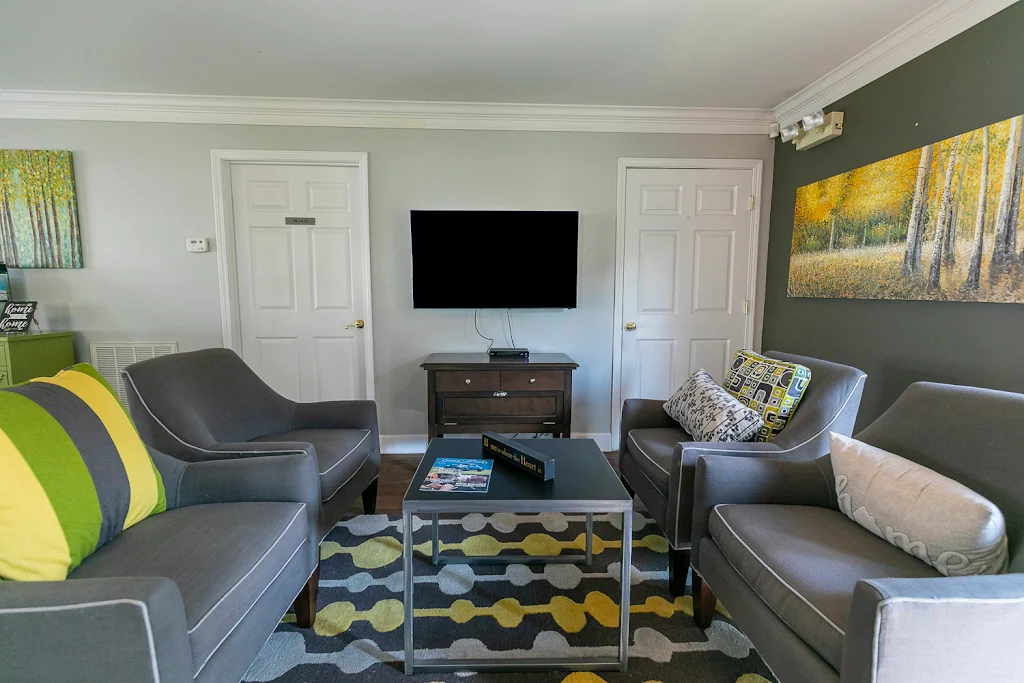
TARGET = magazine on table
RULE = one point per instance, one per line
(458, 475)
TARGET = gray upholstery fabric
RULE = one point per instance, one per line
(93, 630)
(766, 543)
(646, 490)
(941, 426)
(221, 557)
(830, 403)
(723, 480)
(652, 450)
(208, 405)
(897, 629)
(947, 629)
(789, 657)
(339, 453)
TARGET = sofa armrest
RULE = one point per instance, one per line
(642, 413)
(337, 415)
(949, 629)
(94, 631)
(725, 479)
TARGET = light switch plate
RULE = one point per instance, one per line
(197, 245)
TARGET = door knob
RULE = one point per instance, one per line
(359, 324)
(630, 326)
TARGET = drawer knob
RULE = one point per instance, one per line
(501, 394)
(468, 381)
(533, 380)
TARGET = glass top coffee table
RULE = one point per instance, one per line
(584, 483)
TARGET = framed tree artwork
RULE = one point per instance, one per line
(38, 210)
(940, 222)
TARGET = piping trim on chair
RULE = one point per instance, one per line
(199, 448)
(772, 572)
(655, 487)
(342, 485)
(102, 603)
(630, 437)
(347, 454)
(258, 562)
(726, 451)
(242, 618)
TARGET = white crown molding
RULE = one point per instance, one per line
(279, 111)
(929, 29)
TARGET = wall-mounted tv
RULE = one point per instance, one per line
(494, 259)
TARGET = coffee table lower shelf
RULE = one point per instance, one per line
(619, 663)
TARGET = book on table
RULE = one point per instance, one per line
(458, 475)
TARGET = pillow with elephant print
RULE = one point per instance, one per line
(936, 519)
(710, 413)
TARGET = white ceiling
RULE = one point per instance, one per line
(681, 53)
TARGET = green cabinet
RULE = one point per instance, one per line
(24, 356)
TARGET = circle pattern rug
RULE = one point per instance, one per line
(495, 611)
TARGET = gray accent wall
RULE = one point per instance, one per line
(974, 79)
(143, 188)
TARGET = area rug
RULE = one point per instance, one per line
(487, 611)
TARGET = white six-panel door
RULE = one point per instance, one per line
(685, 276)
(298, 239)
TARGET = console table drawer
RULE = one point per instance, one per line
(469, 380)
(540, 407)
(527, 380)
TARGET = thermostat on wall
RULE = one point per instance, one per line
(198, 245)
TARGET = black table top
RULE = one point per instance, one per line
(584, 481)
(442, 360)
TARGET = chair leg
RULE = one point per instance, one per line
(370, 498)
(305, 603)
(704, 602)
(625, 485)
(678, 568)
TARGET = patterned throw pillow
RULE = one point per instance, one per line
(936, 519)
(708, 413)
(73, 474)
(771, 387)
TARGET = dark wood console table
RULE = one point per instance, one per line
(473, 393)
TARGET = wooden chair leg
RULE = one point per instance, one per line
(704, 602)
(625, 485)
(305, 603)
(678, 568)
(370, 498)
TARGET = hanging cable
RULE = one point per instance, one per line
(476, 325)
(508, 313)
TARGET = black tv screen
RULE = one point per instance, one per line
(494, 259)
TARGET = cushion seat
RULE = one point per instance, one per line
(652, 451)
(221, 556)
(339, 453)
(769, 546)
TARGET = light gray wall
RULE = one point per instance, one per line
(143, 188)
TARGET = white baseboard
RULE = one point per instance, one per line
(417, 443)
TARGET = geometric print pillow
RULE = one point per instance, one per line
(708, 413)
(772, 388)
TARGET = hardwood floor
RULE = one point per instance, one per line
(395, 474)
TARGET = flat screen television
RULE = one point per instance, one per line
(494, 259)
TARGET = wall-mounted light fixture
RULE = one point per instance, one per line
(811, 130)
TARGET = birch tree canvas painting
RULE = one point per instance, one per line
(940, 222)
(38, 210)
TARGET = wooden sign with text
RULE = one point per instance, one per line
(506, 450)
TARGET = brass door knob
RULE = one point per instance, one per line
(359, 324)
(630, 326)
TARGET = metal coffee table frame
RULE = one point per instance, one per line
(588, 507)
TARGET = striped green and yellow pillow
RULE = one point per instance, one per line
(73, 473)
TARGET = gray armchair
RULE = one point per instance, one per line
(824, 600)
(190, 594)
(657, 458)
(209, 405)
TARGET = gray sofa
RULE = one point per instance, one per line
(824, 600)
(657, 458)
(209, 405)
(190, 594)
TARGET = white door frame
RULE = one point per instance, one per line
(221, 161)
(756, 168)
